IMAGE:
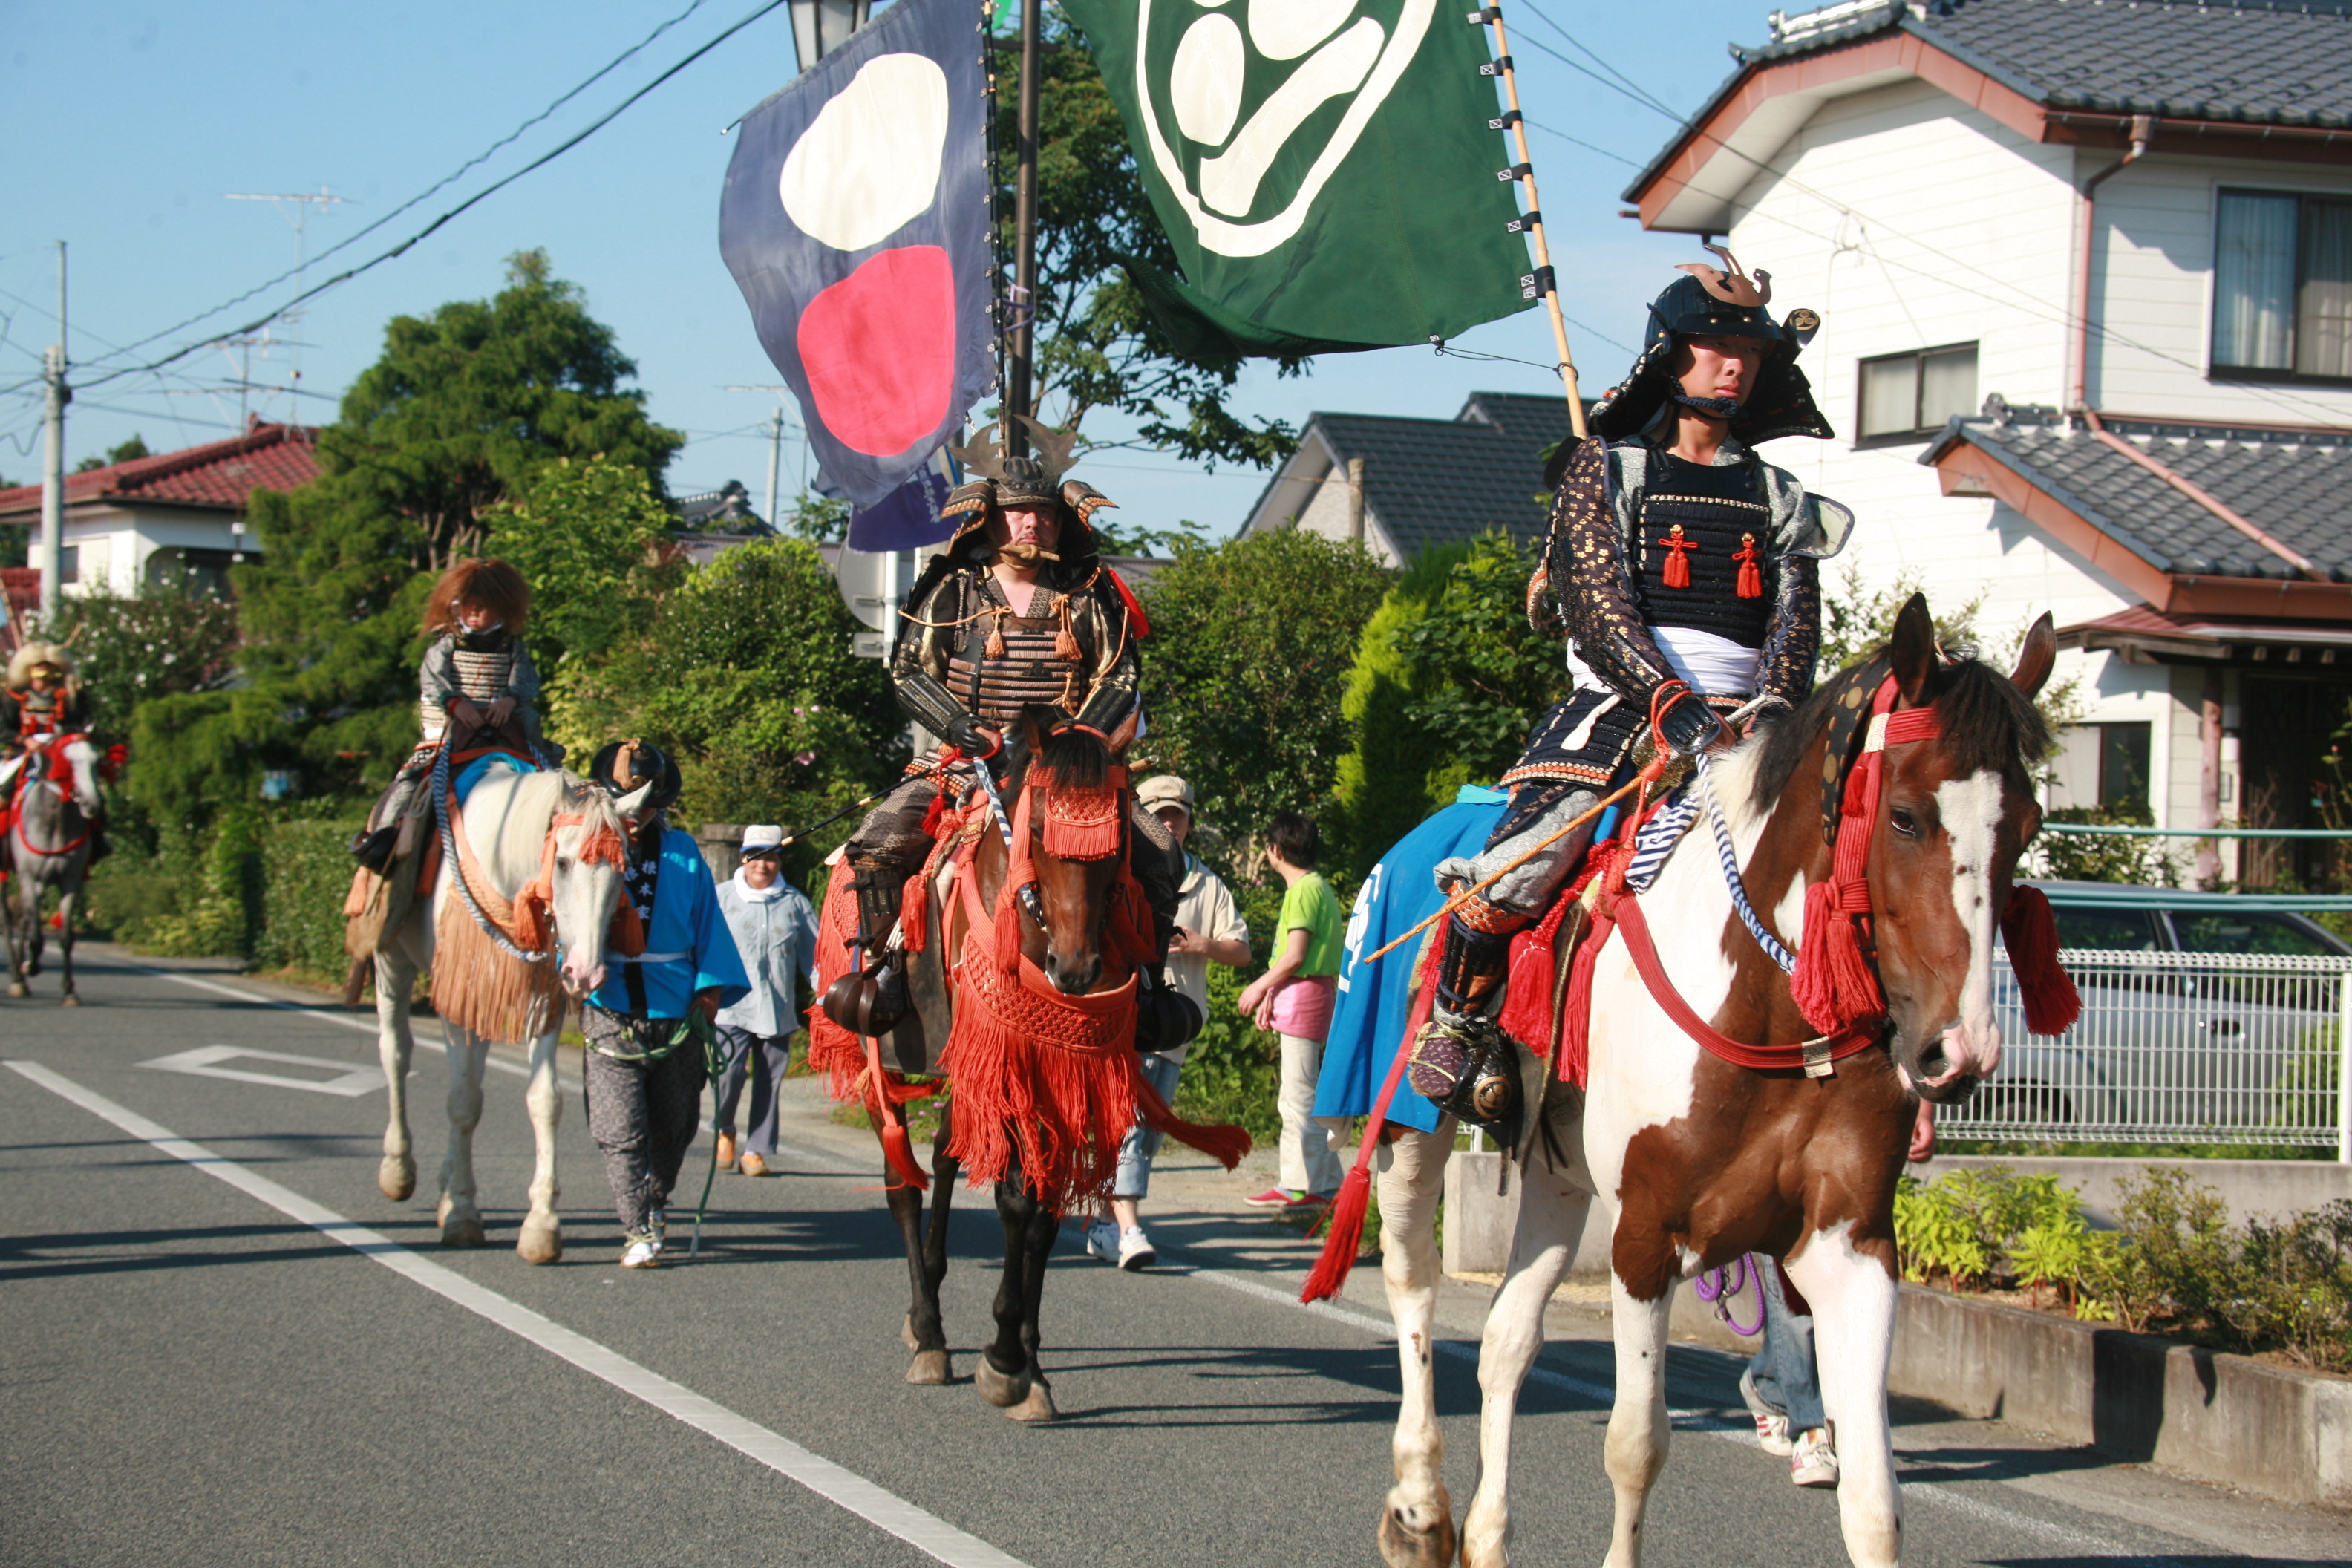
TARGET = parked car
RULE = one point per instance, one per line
(2241, 1044)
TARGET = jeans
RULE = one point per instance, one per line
(1136, 1150)
(1306, 1162)
(761, 1058)
(1783, 1369)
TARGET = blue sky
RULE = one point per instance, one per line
(130, 125)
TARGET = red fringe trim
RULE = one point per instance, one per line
(1526, 1014)
(833, 1050)
(2030, 932)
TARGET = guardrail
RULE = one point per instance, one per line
(2176, 1048)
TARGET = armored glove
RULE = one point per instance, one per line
(1690, 726)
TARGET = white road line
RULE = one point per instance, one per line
(366, 1025)
(1712, 1422)
(924, 1531)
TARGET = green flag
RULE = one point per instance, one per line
(1325, 168)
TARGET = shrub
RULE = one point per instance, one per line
(306, 870)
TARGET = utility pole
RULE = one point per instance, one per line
(52, 459)
(775, 444)
(1019, 369)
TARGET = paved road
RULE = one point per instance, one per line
(220, 1345)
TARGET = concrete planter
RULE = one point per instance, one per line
(2227, 1418)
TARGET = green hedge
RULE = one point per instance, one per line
(259, 886)
(306, 872)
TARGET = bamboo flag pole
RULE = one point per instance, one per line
(1543, 281)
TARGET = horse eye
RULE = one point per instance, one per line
(1905, 823)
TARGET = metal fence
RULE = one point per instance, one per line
(2176, 1048)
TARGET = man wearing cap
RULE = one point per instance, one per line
(642, 1074)
(774, 926)
(1209, 928)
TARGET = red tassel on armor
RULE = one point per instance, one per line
(914, 912)
(2031, 933)
(1678, 551)
(1833, 983)
(1751, 570)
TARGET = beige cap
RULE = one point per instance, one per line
(1164, 789)
(763, 837)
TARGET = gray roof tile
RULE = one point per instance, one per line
(1439, 482)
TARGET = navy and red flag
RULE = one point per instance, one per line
(857, 222)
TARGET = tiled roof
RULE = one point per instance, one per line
(215, 477)
(2278, 62)
(2296, 486)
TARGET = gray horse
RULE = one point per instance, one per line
(48, 847)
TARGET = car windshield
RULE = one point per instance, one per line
(2226, 931)
(2123, 931)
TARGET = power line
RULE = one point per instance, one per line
(470, 164)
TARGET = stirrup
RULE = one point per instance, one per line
(1465, 1067)
(869, 1000)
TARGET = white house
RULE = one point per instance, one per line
(2084, 270)
(151, 519)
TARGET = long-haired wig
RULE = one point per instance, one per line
(492, 584)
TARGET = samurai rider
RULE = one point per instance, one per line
(1685, 571)
(44, 698)
(477, 679)
(1017, 611)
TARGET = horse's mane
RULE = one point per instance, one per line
(1987, 723)
(537, 797)
(1079, 759)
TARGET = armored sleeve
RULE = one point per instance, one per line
(1117, 666)
(1594, 585)
(918, 668)
(1793, 642)
(438, 678)
(522, 680)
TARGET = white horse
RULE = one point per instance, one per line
(48, 847)
(522, 827)
(1697, 1161)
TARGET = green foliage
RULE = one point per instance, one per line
(584, 534)
(1251, 643)
(306, 869)
(2105, 856)
(820, 520)
(1975, 1229)
(1098, 345)
(121, 452)
(218, 905)
(745, 676)
(171, 639)
(1390, 780)
(1233, 1071)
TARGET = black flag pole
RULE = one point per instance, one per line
(1022, 343)
(1542, 281)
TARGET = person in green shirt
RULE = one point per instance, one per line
(1295, 1000)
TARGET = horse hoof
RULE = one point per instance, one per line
(930, 1369)
(541, 1243)
(1412, 1537)
(463, 1233)
(69, 1000)
(396, 1178)
(1038, 1407)
(999, 1389)
(907, 1335)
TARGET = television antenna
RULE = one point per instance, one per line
(298, 208)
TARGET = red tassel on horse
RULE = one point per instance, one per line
(1346, 1237)
(1833, 983)
(2030, 930)
(627, 934)
(914, 912)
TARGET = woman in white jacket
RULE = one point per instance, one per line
(775, 931)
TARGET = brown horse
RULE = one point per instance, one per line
(1047, 1085)
(1697, 1160)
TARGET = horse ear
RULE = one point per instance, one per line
(2035, 660)
(1911, 652)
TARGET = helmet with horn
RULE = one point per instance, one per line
(994, 480)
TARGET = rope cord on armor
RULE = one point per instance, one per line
(1029, 902)
(1732, 879)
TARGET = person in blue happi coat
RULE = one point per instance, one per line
(1376, 999)
(642, 1074)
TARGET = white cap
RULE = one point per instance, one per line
(762, 836)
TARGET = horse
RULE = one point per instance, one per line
(1042, 1131)
(58, 802)
(527, 842)
(1697, 1161)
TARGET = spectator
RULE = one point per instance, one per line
(1293, 999)
(1208, 929)
(642, 1074)
(774, 926)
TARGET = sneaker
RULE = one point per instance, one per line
(752, 1165)
(1310, 1201)
(1135, 1249)
(643, 1251)
(1814, 1462)
(1102, 1240)
(1276, 1198)
(1772, 1425)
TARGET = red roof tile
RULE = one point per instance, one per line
(217, 476)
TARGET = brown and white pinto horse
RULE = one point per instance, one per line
(1697, 1161)
(1042, 1116)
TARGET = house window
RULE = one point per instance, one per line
(2101, 765)
(2282, 287)
(69, 563)
(1905, 396)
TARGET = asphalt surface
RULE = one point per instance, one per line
(189, 1374)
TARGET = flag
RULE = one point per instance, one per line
(857, 222)
(908, 517)
(1326, 170)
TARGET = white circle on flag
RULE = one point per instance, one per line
(1204, 82)
(869, 162)
(1285, 29)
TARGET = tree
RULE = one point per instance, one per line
(170, 639)
(1098, 345)
(584, 534)
(455, 420)
(123, 452)
(1251, 643)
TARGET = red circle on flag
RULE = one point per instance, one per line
(880, 350)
